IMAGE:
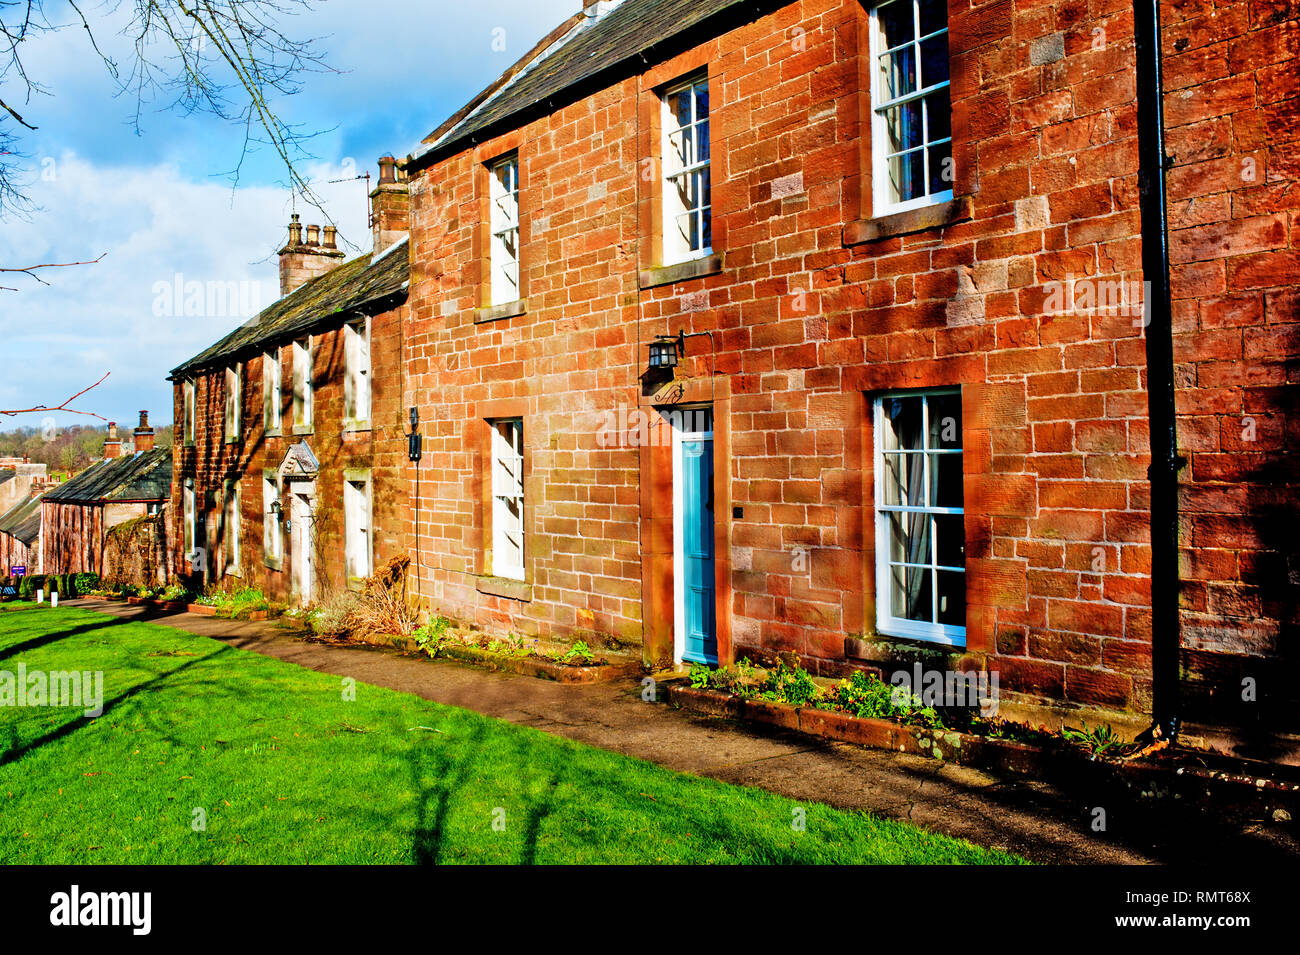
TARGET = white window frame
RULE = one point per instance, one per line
(188, 401)
(303, 396)
(189, 509)
(886, 622)
(272, 529)
(230, 521)
(356, 381)
(272, 384)
(507, 450)
(234, 396)
(881, 102)
(358, 527)
(503, 224)
(676, 248)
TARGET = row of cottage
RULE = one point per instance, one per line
(53, 526)
(847, 329)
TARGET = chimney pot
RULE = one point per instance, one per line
(389, 206)
(112, 443)
(301, 261)
(142, 438)
(327, 239)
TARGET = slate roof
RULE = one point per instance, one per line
(146, 476)
(23, 520)
(356, 286)
(589, 55)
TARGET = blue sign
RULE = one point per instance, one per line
(18, 571)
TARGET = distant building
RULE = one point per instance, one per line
(290, 442)
(77, 515)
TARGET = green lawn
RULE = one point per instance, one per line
(288, 771)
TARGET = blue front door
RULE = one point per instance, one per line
(701, 643)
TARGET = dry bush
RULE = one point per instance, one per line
(385, 604)
(331, 620)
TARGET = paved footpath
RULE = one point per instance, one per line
(1026, 816)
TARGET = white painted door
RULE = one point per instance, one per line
(302, 545)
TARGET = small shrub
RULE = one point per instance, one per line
(790, 684)
(333, 618)
(432, 636)
(579, 653)
(1097, 741)
(175, 593)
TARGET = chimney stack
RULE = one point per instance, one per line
(390, 206)
(142, 437)
(301, 261)
(112, 443)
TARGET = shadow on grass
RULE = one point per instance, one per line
(13, 753)
(452, 768)
(53, 636)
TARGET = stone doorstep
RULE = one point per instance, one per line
(1240, 781)
(524, 666)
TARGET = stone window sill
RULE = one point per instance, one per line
(356, 427)
(681, 272)
(494, 313)
(505, 587)
(304, 429)
(274, 563)
(905, 223)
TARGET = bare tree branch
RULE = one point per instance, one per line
(227, 58)
(63, 407)
(30, 270)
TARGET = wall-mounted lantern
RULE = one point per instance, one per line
(664, 352)
(414, 443)
(277, 512)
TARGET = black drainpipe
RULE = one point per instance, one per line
(1158, 315)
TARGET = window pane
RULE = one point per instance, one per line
(941, 167)
(950, 540)
(938, 115)
(911, 593)
(909, 538)
(945, 480)
(902, 480)
(907, 175)
(680, 104)
(681, 148)
(701, 100)
(945, 421)
(896, 23)
(952, 598)
(702, 142)
(902, 422)
(934, 60)
(903, 126)
(934, 15)
(898, 72)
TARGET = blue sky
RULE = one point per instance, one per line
(163, 207)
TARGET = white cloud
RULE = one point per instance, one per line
(157, 228)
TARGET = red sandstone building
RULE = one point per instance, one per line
(77, 515)
(747, 327)
(290, 451)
